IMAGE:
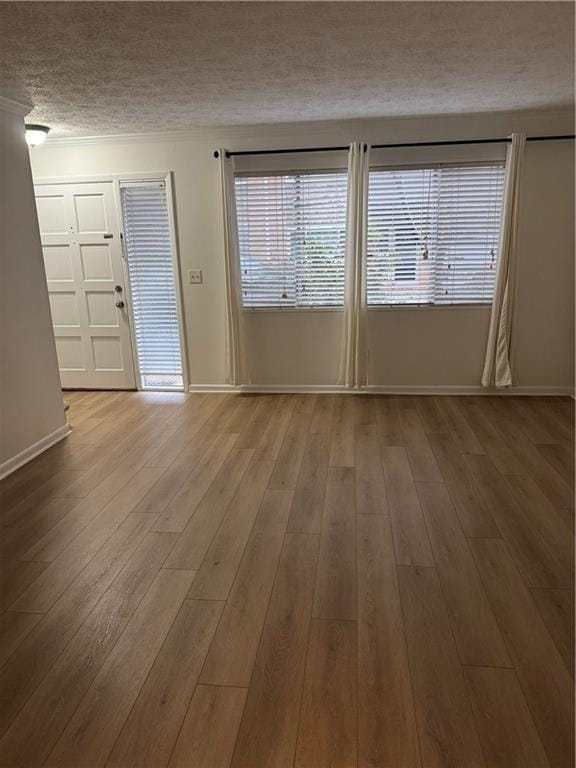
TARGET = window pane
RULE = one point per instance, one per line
(433, 234)
(292, 237)
(152, 285)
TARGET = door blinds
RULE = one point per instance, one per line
(152, 284)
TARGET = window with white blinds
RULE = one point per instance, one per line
(292, 239)
(433, 234)
(152, 285)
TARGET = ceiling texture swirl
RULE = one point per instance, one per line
(95, 68)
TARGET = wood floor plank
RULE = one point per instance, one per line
(519, 411)
(323, 415)
(149, 735)
(433, 416)
(370, 488)
(54, 580)
(388, 419)
(90, 735)
(13, 629)
(290, 457)
(476, 632)
(193, 431)
(111, 491)
(171, 481)
(47, 712)
(490, 439)
(306, 404)
(387, 733)
(536, 534)
(507, 732)
(231, 657)
(561, 459)
(209, 731)
(306, 513)
(483, 550)
(221, 417)
(420, 455)
(16, 578)
(53, 487)
(255, 428)
(121, 461)
(364, 410)
(271, 441)
(444, 715)
(455, 413)
(342, 445)
(182, 507)
(556, 607)
(269, 726)
(35, 656)
(559, 426)
(546, 521)
(18, 538)
(473, 510)
(196, 538)
(335, 595)
(327, 734)
(545, 681)
(243, 413)
(553, 485)
(16, 489)
(411, 541)
(218, 570)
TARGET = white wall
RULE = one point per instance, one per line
(31, 410)
(408, 348)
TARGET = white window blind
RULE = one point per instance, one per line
(152, 285)
(433, 234)
(292, 237)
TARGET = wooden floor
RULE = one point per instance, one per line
(198, 581)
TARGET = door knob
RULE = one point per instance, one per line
(120, 304)
(118, 288)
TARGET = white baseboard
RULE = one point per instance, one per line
(269, 388)
(379, 389)
(468, 390)
(11, 465)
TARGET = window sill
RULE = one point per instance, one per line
(290, 310)
(373, 308)
(425, 307)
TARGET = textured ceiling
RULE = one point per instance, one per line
(109, 67)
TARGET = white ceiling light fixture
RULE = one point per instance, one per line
(36, 134)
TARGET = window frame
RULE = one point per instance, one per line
(425, 165)
(274, 172)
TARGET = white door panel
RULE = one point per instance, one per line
(83, 259)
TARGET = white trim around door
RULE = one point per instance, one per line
(116, 179)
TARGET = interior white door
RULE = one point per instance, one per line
(82, 251)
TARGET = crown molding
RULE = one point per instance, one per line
(192, 134)
(476, 125)
(19, 108)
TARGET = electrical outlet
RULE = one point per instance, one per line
(194, 276)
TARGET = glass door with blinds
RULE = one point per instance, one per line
(151, 265)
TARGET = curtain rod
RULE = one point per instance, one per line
(506, 140)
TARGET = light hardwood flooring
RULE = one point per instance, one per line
(201, 581)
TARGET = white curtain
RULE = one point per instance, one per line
(236, 360)
(497, 365)
(353, 354)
